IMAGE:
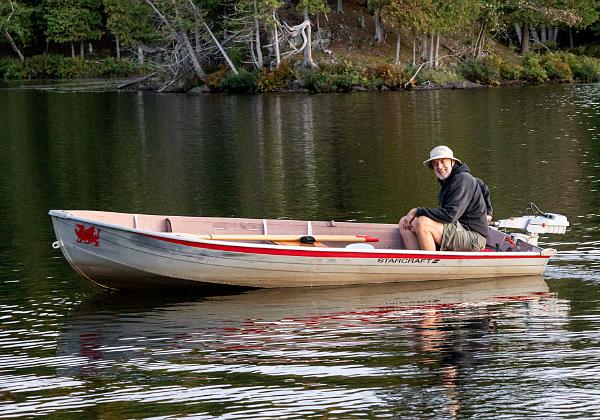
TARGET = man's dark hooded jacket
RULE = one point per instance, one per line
(464, 198)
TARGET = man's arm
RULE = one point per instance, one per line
(486, 196)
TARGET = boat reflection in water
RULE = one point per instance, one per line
(116, 325)
(377, 349)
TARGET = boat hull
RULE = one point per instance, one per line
(127, 258)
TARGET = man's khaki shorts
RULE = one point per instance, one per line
(457, 238)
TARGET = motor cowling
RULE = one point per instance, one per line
(531, 226)
(536, 224)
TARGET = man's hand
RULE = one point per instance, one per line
(489, 219)
(406, 221)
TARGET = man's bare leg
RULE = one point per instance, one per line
(407, 232)
(429, 233)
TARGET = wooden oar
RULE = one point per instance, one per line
(306, 239)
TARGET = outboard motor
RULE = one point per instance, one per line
(532, 225)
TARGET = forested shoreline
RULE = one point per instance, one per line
(302, 45)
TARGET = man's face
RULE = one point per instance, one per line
(442, 167)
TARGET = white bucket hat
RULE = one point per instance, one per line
(440, 152)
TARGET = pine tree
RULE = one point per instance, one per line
(16, 24)
(72, 21)
(130, 22)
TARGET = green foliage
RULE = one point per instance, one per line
(482, 70)
(72, 20)
(574, 13)
(592, 50)
(111, 67)
(557, 68)
(374, 5)
(344, 76)
(492, 70)
(271, 81)
(533, 69)
(587, 69)
(447, 16)
(312, 7)
(338, 78)
(16, 19)
(12, 69)
(389, 75)
(404, 13)
(76, 68)
(215, 78)
(264, 9)
(510, 71)
(316, 81)
(549, 45)
(130, 21)
(245, 82)
(43, 66)
(238, 54)
(442, 76)
(55, 66)
(585, 12)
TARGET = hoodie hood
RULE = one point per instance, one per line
(457, 169)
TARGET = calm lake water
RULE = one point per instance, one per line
(505, 348)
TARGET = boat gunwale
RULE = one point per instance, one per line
(298, 251)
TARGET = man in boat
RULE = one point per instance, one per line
(461, 221)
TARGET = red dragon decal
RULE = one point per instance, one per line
(87, 235)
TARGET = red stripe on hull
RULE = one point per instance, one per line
(335, 254)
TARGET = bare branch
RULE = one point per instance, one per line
(231, 65)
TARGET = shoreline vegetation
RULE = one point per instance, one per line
(491, 70)
(248, 46)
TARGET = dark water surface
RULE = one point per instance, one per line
(505, 348)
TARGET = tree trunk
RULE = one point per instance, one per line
(571, 42)
(140, 54)
(481, 45)
(195, 63)
(319, 39)
(252, 53)
(397, 60)
(339, 6)
(378, 27)
(543, 37)
(480, 41)
(72, 50)
(223, 53)
(118, 47)
(534, 34)
(555, 34)
(431, 50)
(518, 31)
(81, 49)
(276, 45)
(361, 20)
(414, 58)
(308, 60)
(424, 47)
(259, 56)
(197, 37)
(13, 45)
(525, 39)
(437, 49)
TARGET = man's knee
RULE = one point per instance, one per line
(423, 223)
(404, 228)
(401, 225)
